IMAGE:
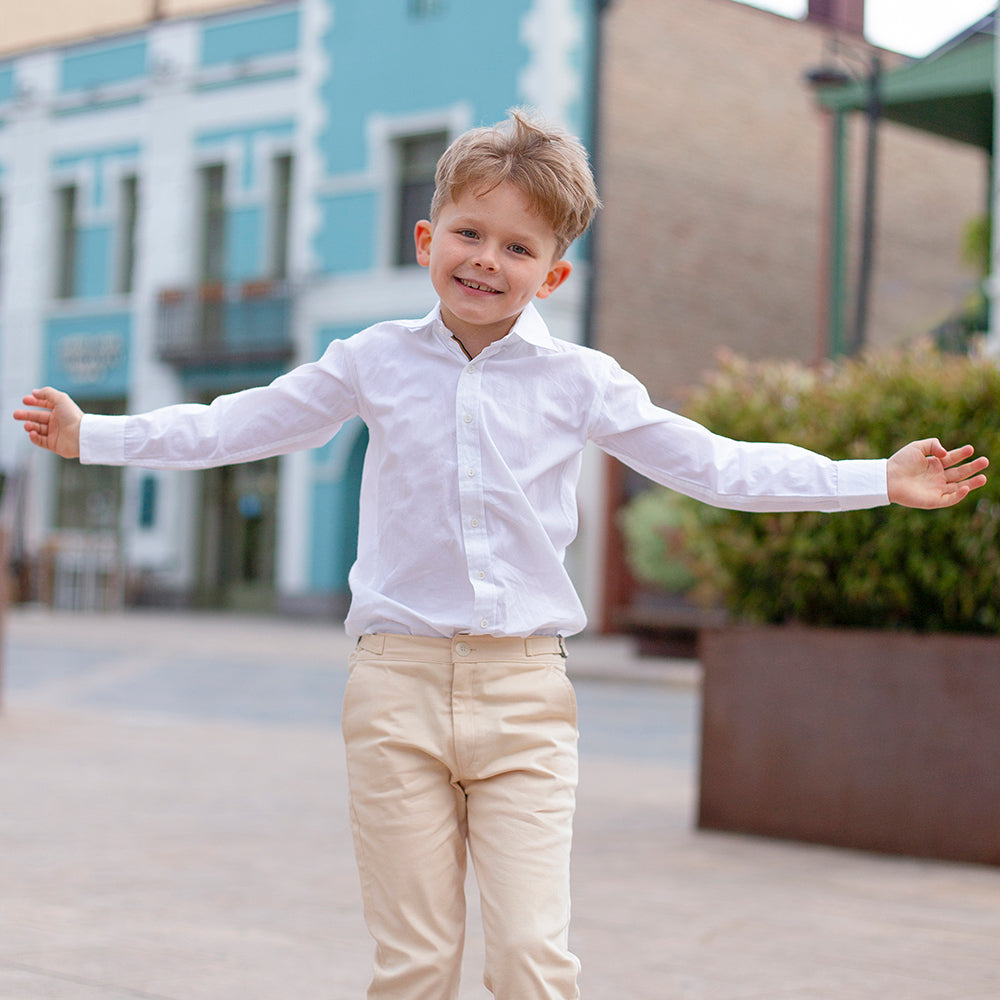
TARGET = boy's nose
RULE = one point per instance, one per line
(486, 260)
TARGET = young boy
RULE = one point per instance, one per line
(459, 721)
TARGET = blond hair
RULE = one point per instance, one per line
(548, 165)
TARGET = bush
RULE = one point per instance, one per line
(883, 568)
(652, 524)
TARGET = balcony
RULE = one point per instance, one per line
(225, 324)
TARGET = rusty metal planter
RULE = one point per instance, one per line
(881, 741)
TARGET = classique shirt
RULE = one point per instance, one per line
(468, 495)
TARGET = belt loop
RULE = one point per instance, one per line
(542, 645)
(372, 642)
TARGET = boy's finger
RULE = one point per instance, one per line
(957, 455)
(971, 468)
(961, 472)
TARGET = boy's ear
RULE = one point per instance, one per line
(422, 238)
(560, 271)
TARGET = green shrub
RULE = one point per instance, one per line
(654, 540)
(883, 568)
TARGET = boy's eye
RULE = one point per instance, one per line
(469, 233)
(517, 248)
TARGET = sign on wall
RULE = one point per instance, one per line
(89, 355)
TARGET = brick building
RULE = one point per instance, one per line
(713, 157)
(714, 163)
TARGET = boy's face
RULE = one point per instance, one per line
(489, 255)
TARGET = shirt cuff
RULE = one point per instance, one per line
(862, 483)
(102, 440)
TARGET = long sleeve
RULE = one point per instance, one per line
(681, 454)
(301, 409)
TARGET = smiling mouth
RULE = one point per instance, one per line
(476, 286)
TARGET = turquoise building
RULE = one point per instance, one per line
(195, 207)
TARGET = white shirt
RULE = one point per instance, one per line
(468, 495)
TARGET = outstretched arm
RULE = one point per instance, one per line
(925, 474)
(53, 422)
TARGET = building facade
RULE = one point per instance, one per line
(714, 159)
(714, 156)
(197, 205)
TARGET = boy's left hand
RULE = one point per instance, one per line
(925, 474)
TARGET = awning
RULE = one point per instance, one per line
(948, 93)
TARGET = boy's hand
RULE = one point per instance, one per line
(925, 474)
(54, 424)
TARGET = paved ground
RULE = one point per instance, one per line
(173, 826)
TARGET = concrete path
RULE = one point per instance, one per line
(173, 826)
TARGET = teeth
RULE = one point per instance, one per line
(476, 286)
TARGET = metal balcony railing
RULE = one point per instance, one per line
(225, 324)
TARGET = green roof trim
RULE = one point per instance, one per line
(950, 94)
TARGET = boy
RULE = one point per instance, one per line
(459, 721)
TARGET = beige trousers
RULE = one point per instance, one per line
(454, 746)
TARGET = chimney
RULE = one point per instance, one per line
(841, 15)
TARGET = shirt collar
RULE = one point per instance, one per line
(530, 327)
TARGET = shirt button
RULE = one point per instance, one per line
(463, 649)
(480, 575)
(484, 623)
(471, 370)
(470, 472)
(468, 418)
(474, 522)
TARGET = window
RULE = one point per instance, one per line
(426, 8)
(128, 214)
(67, 239)
(210, 323)
(281, 202)
(417, 157)
(213, 223)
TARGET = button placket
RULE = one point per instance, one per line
(468, 411)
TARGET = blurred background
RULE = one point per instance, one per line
(197, 195)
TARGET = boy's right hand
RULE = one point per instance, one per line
(54, 421)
